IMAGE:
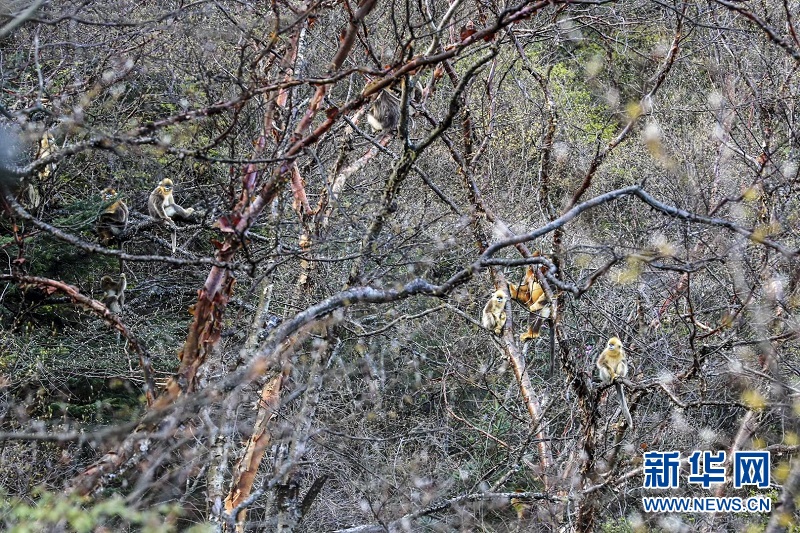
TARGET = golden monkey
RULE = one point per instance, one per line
(613, 364)
(113, 220)
(531, 294)
(493, 316)
(162, 205)
(114, 293)
(47, 145)
(384, 113)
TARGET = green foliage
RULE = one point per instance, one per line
(53, 257)
(576, 100)
(80, 214)
(99, 401)
(50, 510)
(618, 525)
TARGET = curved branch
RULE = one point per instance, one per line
(101, 311)
(638, 192)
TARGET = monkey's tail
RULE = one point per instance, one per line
(552, 332)
(624, 404)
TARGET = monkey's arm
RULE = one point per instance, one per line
(500, 323)
(621, 369)
(487, 318)
(155, 205)
(606, 373)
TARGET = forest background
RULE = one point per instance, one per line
(310, 357)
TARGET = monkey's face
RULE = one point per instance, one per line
(165, 185)
(614, 344)
(499, 297)
(109, 194)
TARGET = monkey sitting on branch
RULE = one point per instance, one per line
(613, 366)
(532, 295)
(384, 113)
(161, 205)
(47, 147)
(114, 293)
(493, 316)
(113, 220)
